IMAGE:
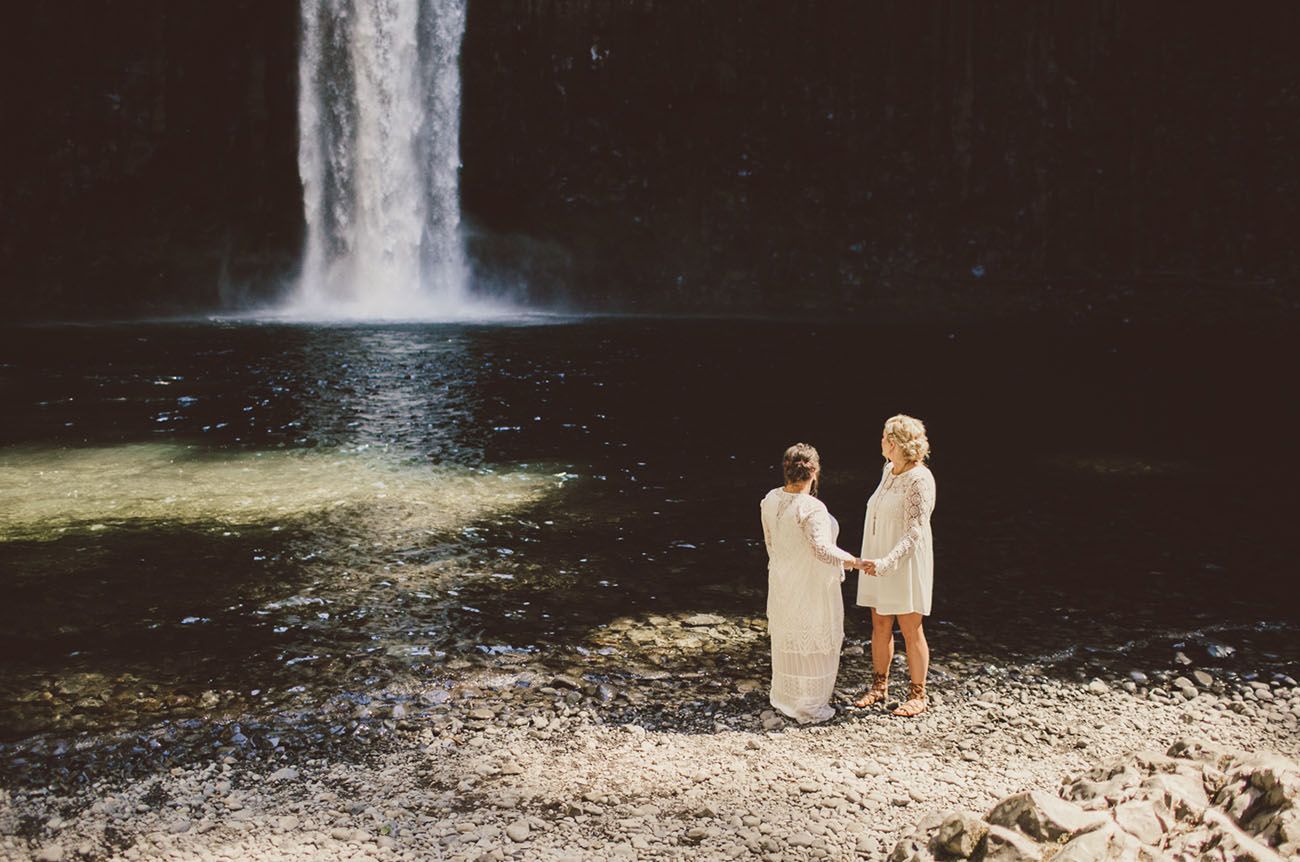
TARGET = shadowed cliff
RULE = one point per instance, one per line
(732, 157)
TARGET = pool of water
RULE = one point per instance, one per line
(243, 517)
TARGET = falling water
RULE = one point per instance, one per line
(379, 127)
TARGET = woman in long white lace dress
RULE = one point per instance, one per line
(805, 611)
(898, 550)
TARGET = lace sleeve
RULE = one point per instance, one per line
(918, 503)
(816, 525)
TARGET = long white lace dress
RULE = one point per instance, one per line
(897, 537)
(805, 610)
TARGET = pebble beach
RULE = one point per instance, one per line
(558, 766)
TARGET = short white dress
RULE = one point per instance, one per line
(897, 537)
(805, 609)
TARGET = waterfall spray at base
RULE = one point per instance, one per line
(378, 151)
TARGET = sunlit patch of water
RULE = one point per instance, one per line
(48, 492)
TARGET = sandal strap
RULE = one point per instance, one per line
(916, 702)
(879, 690)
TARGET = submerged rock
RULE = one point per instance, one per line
(704, 620)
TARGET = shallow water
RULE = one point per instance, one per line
(242, 518)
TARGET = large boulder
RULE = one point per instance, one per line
(1140, 819)
(1106, 843)
(1182, 795)
(1042, 816)
(1193, 802)
(958, 835)
(911, 850)
(1008, 845)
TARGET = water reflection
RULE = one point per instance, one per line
(413, 390)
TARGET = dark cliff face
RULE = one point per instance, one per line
(150, 158)
(723, 156)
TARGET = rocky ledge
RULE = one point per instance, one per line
(1193, 802)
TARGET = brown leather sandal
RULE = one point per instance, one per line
(878, 692)
(916, 702)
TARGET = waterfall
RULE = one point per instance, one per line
(379, 152)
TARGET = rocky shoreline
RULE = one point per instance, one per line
(514, 763)
(1192, 802)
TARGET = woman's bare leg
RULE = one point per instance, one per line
(918, 651)
(882, 653)
(882, 642)
(918, 664)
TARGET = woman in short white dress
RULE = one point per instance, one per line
(898, 550)
(805, 610)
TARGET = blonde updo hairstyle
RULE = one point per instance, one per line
(801, 463)
(908, 434)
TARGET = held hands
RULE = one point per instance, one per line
(868, 567)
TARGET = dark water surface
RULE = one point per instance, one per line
(241, 518)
